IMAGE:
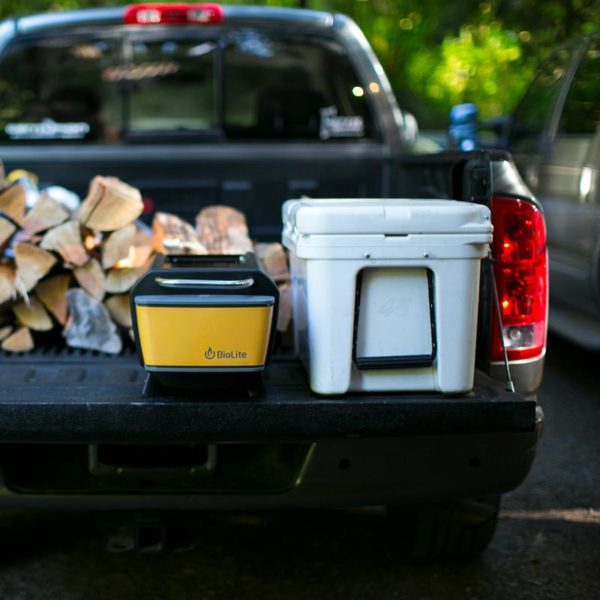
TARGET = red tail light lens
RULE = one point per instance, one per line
(173, 14)
(521, 269)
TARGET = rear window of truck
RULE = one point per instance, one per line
(246, 84)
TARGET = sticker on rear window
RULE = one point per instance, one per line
(47, 130)
(138, 71)
(334, 126)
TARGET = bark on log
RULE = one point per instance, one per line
(110, 204)
(5, 331)
(91, 278)
(33, 315)
(66, 240)
(118, 307)
(223, 230)
(53, 294)
(45, 214)
(32, 264)
(90, 326)
(19, 341)
(172, 235)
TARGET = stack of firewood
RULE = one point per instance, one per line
(72, 272)
(223, 230)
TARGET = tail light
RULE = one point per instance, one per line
(521, 269)
(173, 14)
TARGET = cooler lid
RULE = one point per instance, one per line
(385, 216)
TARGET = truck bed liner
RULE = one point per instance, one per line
(93, 398)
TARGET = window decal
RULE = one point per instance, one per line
(138, 71)
(47, 129)
(251, 42)
(334, 126)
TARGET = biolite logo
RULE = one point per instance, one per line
(210, 354)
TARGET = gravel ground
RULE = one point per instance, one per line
(547, 545)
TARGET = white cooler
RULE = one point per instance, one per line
(385, 292)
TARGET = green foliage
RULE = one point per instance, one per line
(437, 53)
(482, 64)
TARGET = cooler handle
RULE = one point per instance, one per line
(229, 284)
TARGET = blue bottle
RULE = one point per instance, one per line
(463, 129)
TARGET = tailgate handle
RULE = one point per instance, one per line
(208, 284)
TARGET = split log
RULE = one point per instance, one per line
(32, 264)
(120, 281)
(274, 259)
(8, 287)
(284, 314)
(53, 294)
(173, 235)
(45, 214)
(33, 315)
(223, 230)
(137, 254)
(143, 249)
(90, 326)
(140, 256)
(12, 202)
(110, 204)
(117, 246)
(12, 210)
(91, 278)
(66, 240)
(7, 230)
(5, 331)
(118, 307)
(19, 341)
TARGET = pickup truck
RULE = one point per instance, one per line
(202, 104)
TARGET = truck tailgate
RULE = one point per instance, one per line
(79, 397)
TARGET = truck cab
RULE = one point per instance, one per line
(247, 110)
